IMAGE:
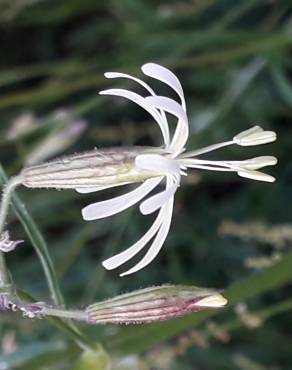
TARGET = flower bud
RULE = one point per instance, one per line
(254, 136)
(154, 304)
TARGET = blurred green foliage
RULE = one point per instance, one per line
(234, 61)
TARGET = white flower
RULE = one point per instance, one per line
(102, 169)
(169, 165)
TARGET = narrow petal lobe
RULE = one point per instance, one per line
(113, 206)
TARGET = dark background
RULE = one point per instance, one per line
(234, 61)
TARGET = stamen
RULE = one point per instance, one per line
(244, 168)
(254, 136)
(256, 175)
(257, 162)
(206, 149)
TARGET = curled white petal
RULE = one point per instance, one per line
(156, 201)
(130, 77)
(143, 103)
(165, 75)
(182, 130)
(158, 241)
(118, 204)
(163, 218)
(126, 255)
(149, 89)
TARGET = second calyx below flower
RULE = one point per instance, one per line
(154, 304)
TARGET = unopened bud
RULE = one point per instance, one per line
(154, 304)
(254, 136)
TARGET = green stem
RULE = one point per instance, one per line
(33, 233)
(6, 197)
(4, 274)
(65, 314)
(70, 330)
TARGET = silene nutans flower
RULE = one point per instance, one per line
(101, 169)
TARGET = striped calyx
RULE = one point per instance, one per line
(154, 304)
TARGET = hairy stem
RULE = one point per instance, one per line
(4, 274)
(6, 198)
(33, 233)
(84, 342)
(65, 314)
